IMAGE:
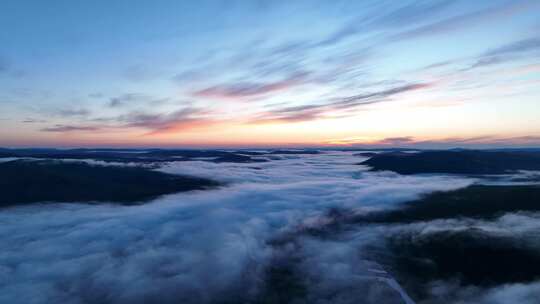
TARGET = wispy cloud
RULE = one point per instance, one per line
(290, 115)
(250, 89)
(507, 52)
(32, 120)
(403, 15)
(371, 142)
(397, 140)
(465, 20)
(182, 120)
(316, 111)
(95, 95)
(131, 99)
(73, 112)
(125, 98)
(70, 128)
(369, 98)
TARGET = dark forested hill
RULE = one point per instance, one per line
(24, 181)
(455, 162)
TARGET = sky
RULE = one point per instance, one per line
(269, 73)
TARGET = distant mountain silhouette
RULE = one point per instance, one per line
(455, 162)
(151, 155)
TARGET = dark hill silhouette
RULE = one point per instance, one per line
(23, 182)
(455, 162)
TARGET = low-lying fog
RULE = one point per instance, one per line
(238, 243)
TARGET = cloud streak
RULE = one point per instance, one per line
(465, 20)
(507, 52)
(70, 128)
(317, 111)
(178, 121)
(246, 89)
(131, 99)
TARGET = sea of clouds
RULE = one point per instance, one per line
(222, 245)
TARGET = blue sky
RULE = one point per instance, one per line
(257, 73)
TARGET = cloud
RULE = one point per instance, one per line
(73, 112)
(32, 120)
(273, 233)
(394, 142)
(465, 20)
(481, 141)
(181, 120)
(520, 46)
(96, 95)
(69, 128)
(155, 123)
(484, 242)
(379, 96)
(246, 89)
(125, 98)
(409, 12)
(441, 261)
(397, 140)
(291, 114)
(317, 111)
(130, 99)
(197, 247)
(398, 17)
(507, 52)
(439, 64)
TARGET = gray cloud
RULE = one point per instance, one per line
(175, 121)
(315, 111)
(95, 95)
(370, 98)
(125, 98)
(132, 99)
(73, 112)
(507, 52)
(156, 123)
(32, 120)
(246, 89)
(69, 128)
(520, 46)
(398, 140)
